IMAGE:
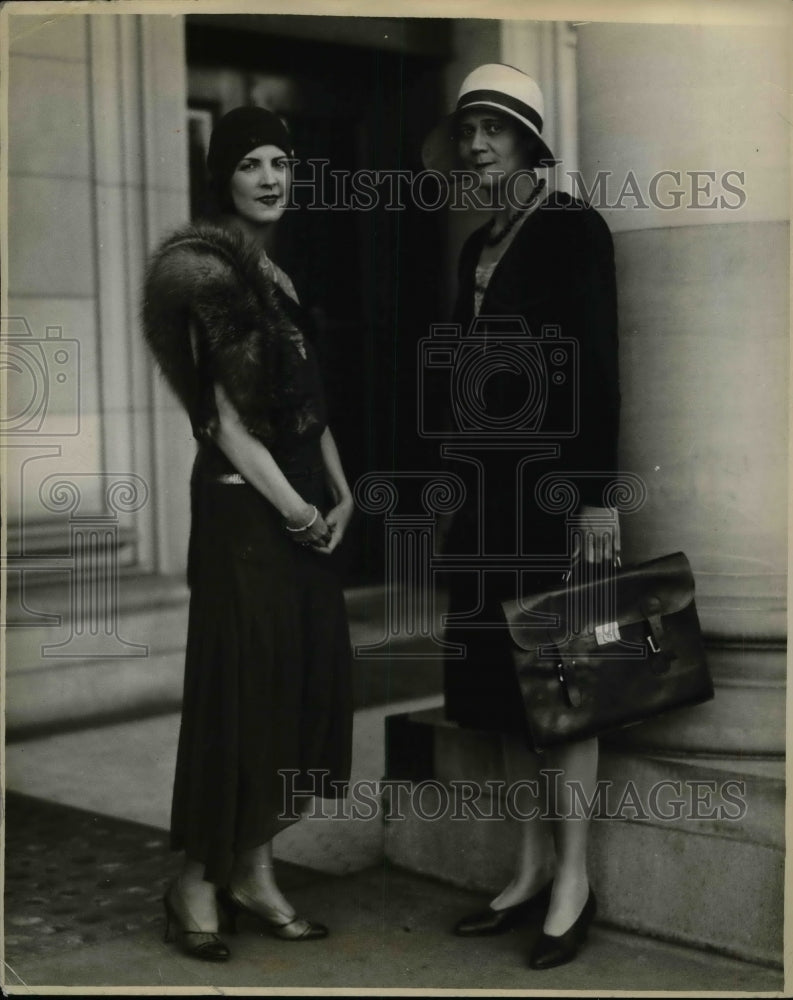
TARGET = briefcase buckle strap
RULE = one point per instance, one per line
(566, 673)
(662, 654)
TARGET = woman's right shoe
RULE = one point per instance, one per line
(197, 943)
(277, 923)
(552, 949)
(490, 921)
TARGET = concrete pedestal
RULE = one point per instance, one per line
(688, 849)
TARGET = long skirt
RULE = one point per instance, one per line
(267, 709)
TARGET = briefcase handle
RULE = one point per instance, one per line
(616, 564)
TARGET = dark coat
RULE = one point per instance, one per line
(559, 271)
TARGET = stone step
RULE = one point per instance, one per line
(747, 715)
(695, 855)
(60, 678)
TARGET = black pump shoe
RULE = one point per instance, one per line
(277, 923)
(197, 943)
(491, 921)
(552, 950)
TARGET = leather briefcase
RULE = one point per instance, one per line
(598, 655)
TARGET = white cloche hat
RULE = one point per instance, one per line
(497, 86)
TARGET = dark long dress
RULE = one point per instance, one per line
(267, 688)
(558, 275)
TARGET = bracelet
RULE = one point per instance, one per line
(305, 526)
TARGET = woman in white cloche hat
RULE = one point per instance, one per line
(548, 259)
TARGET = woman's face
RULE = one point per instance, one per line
(492, 145)
(259, 186)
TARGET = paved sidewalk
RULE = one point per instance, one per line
(126, 770)
(389, 929)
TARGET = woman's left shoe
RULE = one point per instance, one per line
(277, 923)
(490, 921)
(552, 950)
(195, 942)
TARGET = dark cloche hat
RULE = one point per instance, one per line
(240, 131)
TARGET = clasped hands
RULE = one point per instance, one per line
(324, 533)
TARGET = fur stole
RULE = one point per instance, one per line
(247, 333)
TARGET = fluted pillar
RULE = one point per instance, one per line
(97, 174)
(691, 124)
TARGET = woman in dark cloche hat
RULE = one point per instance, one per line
(267, 710)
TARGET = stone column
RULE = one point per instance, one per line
(138, 97)
(546, 50)
(97, 174)
(703, 261)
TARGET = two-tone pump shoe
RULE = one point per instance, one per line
(192, 940)
(552, 950)
(280, 925)
(489, 921)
